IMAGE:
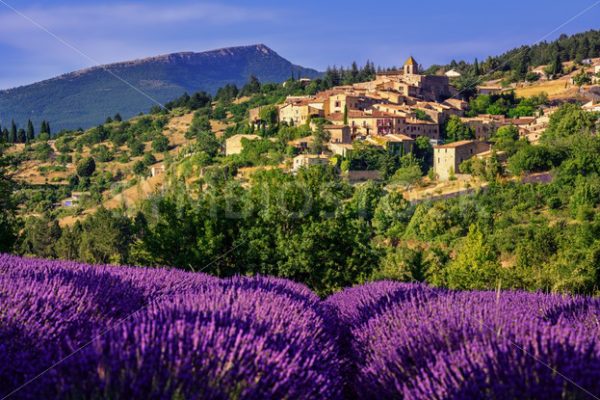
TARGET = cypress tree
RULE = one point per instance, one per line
(30, 131)
(346, 114)
(21, 135)
(13, 132)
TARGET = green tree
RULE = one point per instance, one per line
(455, 130)
(86, 167)
(39, 237)
(136, 148)
(320, 139)
(30, 131)
(67, 247)
(7, 208)
(21, 136)
(403, 264)
(140, 168)
(391, 215)
(568, 120)
(13, 132)
(531, 159)
(407, 176)
(252, 87)
(105, 238)
(269, 114)
(160, 144)
(476, 265)
(555, 68)
(582, 78)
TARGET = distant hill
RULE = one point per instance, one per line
(85, 98)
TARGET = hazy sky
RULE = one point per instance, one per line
(307, 32)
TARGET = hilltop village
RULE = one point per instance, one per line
(391, 111)
(458, 175)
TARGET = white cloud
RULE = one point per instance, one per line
(87, 17)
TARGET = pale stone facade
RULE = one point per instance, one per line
(447, 158)
(234, 144)
(306, 160)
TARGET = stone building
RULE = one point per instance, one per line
(448, 157)
(235, 145)
(306, 160)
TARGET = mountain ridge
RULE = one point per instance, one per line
(87, 96)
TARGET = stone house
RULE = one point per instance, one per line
(298, 111)
(448, 157)
(307, 160)
(339, 133)
(234, 145)
(396, 144)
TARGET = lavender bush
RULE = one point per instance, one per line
(160, 334)
(422, 343)
(125, 332)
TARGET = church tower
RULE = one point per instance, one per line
(411, 66)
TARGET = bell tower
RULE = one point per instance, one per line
(411, 66)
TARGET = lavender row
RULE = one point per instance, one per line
(126, 332)
(414, 342)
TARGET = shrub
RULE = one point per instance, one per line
(86, 167)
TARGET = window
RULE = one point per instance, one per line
(338, 104)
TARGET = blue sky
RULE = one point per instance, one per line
(307, 32)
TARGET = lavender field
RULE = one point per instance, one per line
(70, 330)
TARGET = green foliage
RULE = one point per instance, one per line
(366, 157)
(488, 168)
(136, 148)
(160, 144)
(260, 152)
(269, 114)
(506, 104)
(582, 78)
(569, 120)
(227, 93)
(140, 168)
(149, 159)
(39, 237)
(7, 208)
(320, 139)
(105, 238)
(102, 153)
(391, 216)
(42, 151)
(515, 64)
(531, 159)
(403, 264)
(407, 176)
(455, 130)
(476, 265)
(422, 115)
(86, 167)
